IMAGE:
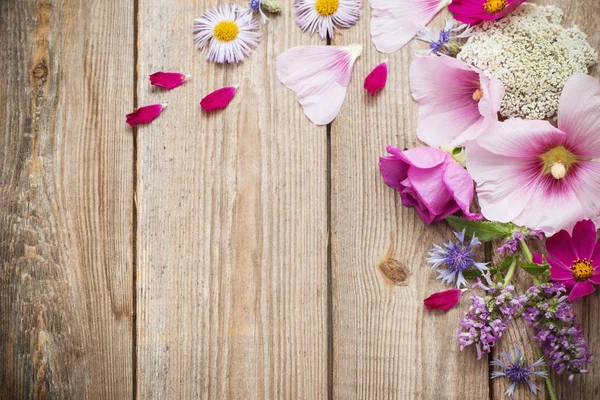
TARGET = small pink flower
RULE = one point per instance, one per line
(376, 80)
(443, 300)
(429, 180)
(168, 80)
(395, 22)
(319, 75)
(144, 115)
(220, 98)
(575, 260)
(474, 12)
(538, 176)
(457, 102)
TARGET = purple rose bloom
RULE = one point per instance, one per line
(429, 180)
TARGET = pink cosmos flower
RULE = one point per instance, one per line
(457, 102)
(376, 80)
(443, 300)
(474, 12)
(319, 75)
(575, 260)
(538, 176)
(395, 22)
(168, 80)
(429, 180)
(144, 115)
(220, 98)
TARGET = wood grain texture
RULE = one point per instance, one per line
(232, 262)
(386, 345)
(65, 199)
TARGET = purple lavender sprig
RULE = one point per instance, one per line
(488, 317)
(551, 315)
(511, 245)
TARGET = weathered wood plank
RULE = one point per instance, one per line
(65, 199)
(232, 271)
(386, 345)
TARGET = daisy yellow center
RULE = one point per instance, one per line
(494, 6)
(582, 269)
(326, 8)
(557, 161)
(226, 31)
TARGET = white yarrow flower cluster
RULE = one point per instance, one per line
(533, 55)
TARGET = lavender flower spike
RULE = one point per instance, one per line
(517, 371)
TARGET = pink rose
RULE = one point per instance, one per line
(429, 180)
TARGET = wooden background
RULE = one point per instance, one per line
(231, 256)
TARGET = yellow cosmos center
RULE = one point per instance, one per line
(226, 31)
(557, 161)
(494, 6)
(326, 8)
(582, 269)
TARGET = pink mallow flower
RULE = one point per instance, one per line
(457, 102)
(474, 12)
(538, 176)
(429, 180)
(575, 260)
(443, 300)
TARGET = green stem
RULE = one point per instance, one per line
(511, 271)
(526, 252)
(549, 386)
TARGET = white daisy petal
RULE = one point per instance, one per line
(324, 15)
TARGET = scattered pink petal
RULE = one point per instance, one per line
(144, 115)
(220, 98)
(376, 80)
(319, 75)
(168, 80)
(443, 300)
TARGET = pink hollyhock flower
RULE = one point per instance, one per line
(538, 176)
(443, 300)
(220, 98)
(319, 75)
(429, 180)
(168, 80)
(376, 80)
(457, 102)
(575, 260)
(144, 115)
(395, 22)
(474, 12)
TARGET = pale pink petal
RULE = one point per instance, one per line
(376, 80)
(393, 171)
(584, 238)
(579, 114)
(167, 80)
(395, 22)
(493, 92)
(220, 98)
(144, 115)
(420, 157)
(581, 289)
(430, 189)
(460, 185)
(560, 247)
(319, 75)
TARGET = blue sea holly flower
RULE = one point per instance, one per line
(456, 257)
(444, 41)
(517, 371)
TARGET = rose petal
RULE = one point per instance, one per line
(376, 80)
(581, 289)
(220, 98)
(168, 80)
(443, 300)
(144, 115)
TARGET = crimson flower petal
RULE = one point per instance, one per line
(376, 80)
(443, 300)
(581, 289)
(145, 114)
(220, 98)
(584, 239)
(168, 80)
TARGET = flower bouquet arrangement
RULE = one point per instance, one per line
(512, 124)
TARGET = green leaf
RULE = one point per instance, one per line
(483, 230)
(535, 269)
(472, 273)
(475, 273)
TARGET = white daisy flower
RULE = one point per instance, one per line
(228, 34)
(324, 15)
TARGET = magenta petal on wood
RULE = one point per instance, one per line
(168, 80)
(443, 300)
(220, 98)
(376, 80)
(144, 115)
